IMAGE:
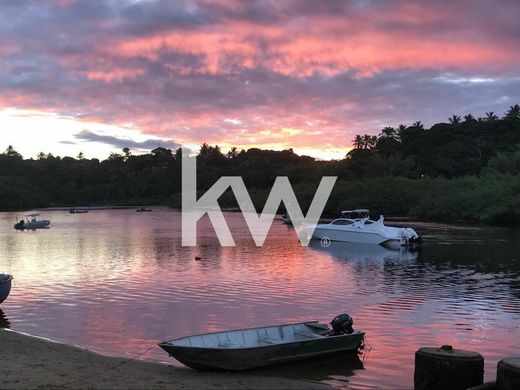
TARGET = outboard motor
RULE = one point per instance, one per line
(342, 324)
(410, 238)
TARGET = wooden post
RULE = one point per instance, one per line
(446, 368)
(508, 374)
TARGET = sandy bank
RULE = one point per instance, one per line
(29, 362)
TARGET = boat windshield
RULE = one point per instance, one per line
(342, 222)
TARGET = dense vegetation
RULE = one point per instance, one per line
(467, 168)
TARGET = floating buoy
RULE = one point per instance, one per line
(447, 368)
(508, 374)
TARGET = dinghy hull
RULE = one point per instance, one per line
(5, 286)
(267, 354)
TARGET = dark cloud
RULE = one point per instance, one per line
(344, 66)
(120, 143)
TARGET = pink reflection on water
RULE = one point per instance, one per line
(118, 282)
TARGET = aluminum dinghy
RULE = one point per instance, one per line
(244, 349)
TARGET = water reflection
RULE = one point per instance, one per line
(117, 282)
(4, 322)
(336, 367)
(364, 252)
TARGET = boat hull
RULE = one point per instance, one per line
(5, 287)
(362, 237)
(33, 225)
(268, 355)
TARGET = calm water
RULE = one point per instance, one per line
(117, 282)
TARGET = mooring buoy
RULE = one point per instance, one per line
(447, 368)
(508, 374)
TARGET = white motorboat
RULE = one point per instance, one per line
(31, 221)
(356, 226)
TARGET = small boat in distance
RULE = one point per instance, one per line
(356, 226)
(31, 222)
(5, 286)
(245, 349)
(75, 210)
(143, 210)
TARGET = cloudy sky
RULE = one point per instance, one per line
(98, 75)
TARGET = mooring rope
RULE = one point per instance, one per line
(109, 369)
(366, 350)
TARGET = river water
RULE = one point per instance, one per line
(117, 281)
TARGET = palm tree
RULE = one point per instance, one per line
(388, 132)
(11, 152)
(373, 142)
(369, 141)
(513, 113)
(418, 125)
(469, 118)
(400, 131)
(233, 152)
(491, 117)
(358, 142)
(454, 120)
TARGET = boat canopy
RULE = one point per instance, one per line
(32, 215)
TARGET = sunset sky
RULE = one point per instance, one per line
(98, 75)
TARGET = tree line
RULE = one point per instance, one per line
(464, 168)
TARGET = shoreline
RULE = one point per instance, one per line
(32, 362)
(325, 218)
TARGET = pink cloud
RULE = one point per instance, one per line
(326, 70)
(7, 48)
(364, 41)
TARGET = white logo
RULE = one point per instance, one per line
(325, 242)
(259, 225)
